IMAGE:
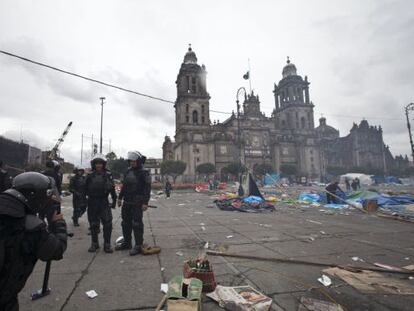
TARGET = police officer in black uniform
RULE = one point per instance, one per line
(99, 184)
(5, 179)
(23, 237)
(135, 192)
(53, 170)
(77, 188)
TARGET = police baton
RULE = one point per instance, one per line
(45, 290)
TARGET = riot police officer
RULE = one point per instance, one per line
(5, 179)
(135, 193)
(52, 171)
(77, 188)
(99, 184)
(24, 238)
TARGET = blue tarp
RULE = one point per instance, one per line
(252, 199)
(308, 197)
(385, 199)
(270, 179)
(386, 179)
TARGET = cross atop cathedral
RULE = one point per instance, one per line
(288, 60)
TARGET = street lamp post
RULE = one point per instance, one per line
(100, 141)
(240, 190)
(407, 109)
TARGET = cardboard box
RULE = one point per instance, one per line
(184, 294)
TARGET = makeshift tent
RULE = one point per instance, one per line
(363, 178)
(249, 186)
(270, 179)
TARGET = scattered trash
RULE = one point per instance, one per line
(314, 222)
(407, 258)
(199, 213)
(91, 294)
(371, 282)
(229, 237)
(325, 280)
(411, 277)
(250, 206)
(311, 238)
(336, 206)
(181, 204)
(184, 294)
(310, 304)
(164, 288)
(322, 232)
(179, 253)
(122, 261)
(162, 269)
(203, 228)
(388, 267)
(355, 258)
(206, 245)
(201, 223)
(240, 298)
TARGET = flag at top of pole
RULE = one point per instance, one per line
(247, 75)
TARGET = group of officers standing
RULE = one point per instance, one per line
(91, 192)
(33, 197)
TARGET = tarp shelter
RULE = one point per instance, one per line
(363, 178)
(270, 179)
(249, 186)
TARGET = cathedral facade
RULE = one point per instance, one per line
(287, 137)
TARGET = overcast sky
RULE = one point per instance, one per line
(358, 56)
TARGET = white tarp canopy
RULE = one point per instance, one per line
(363, 178)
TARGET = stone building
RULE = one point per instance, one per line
(363, 147)
(287, 137)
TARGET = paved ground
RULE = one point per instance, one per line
(132, 283)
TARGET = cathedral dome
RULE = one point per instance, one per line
(190, 57)
(289, 69)
(326, 131)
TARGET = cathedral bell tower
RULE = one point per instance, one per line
(293, 108)
(192, 103)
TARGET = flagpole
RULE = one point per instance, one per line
(250, 75)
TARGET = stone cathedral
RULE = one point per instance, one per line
(287, 137)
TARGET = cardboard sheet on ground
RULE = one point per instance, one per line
(370, 282)
(240, 298)
(310, 304)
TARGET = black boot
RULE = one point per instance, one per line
(107, 230)
(126, 243)
(107, 248)
(135, 251)
(123, 246)
(95, 243)
(75, 222)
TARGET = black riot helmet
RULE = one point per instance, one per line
(36, 189)
(98, 158)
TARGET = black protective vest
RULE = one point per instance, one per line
(98, 185)
(134, 185)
